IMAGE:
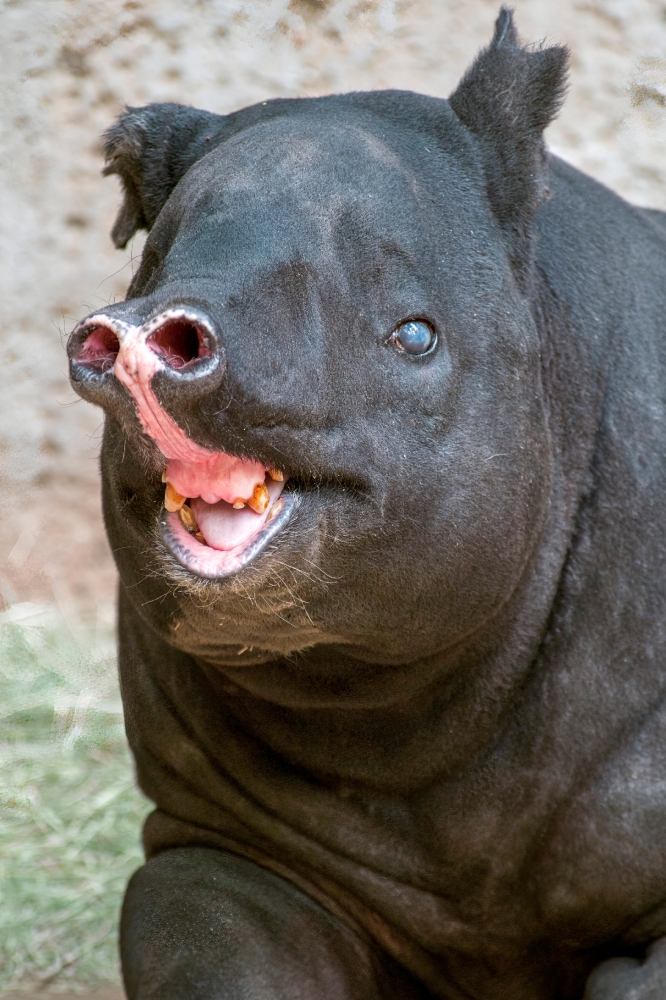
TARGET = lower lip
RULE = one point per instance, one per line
(213, 564)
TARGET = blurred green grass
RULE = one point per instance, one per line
(70, 815)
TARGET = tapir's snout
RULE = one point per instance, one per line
(178, 345)
(220, 510)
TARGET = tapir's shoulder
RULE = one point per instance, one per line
(602, 256)
(590, 212)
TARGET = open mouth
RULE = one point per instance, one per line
(221, 511)
(213, 536)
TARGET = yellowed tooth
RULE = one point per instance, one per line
(260, 499)
(173, 501)
(238, 504)
(187, 518)
(164, 478)
(275, 509)
(276, 475)
(200, 538)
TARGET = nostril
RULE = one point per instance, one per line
(179, 342)
(99, 348)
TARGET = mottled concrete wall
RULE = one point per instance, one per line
(67, 68)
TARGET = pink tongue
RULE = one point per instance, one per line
(225, 528)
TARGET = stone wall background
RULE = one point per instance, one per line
(68, 66)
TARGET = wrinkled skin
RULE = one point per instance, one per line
(416, 746)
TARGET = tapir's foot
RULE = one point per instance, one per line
(201, 924)
(629, 979)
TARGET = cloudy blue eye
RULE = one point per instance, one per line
(415, 337)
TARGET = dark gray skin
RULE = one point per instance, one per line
(416, 747)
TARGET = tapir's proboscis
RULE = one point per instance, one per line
(384, 474)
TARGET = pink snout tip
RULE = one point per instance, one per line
(176, 340)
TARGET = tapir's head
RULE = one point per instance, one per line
(325, 419)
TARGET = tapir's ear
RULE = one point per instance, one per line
(150, 149)
(506, 99)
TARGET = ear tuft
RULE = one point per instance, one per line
(506, 99)
(122, 152)
(505, 30)
(150, 149)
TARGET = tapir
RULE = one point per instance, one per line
(384, 475)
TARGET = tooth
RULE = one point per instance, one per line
(238, 504)
(260, 499)
(187, 518)
(164, 478)
(276, 475)
(200, 538)
(173, 501)
(275, 509)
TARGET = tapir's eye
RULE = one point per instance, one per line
(414, 337)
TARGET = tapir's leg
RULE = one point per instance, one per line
(629, 979)
(202, 924)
